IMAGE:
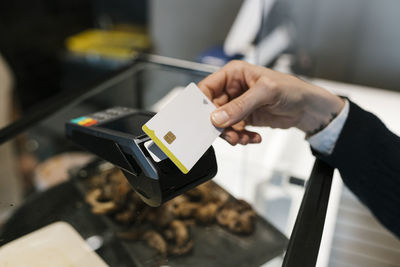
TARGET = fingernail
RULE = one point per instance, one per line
(220, 117)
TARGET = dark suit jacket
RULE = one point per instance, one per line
(367, 156)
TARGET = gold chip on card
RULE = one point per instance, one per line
(169, 137)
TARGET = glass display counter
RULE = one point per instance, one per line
(124, 231)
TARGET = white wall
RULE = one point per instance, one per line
(354, 41)
(184, 28)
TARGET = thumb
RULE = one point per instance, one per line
(236, 110)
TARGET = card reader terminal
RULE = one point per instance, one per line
(116, 135)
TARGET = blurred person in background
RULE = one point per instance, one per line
(340, 133)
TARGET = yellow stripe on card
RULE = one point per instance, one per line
(166, 151)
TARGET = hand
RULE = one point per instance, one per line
(246, 94)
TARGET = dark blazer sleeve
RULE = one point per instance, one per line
(367, 155)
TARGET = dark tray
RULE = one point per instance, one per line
(214, 246)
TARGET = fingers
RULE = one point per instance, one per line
(240, 126)
(237, 109)
(221, 100)
(214, 84)
(243, 137)
(229, 90)
(228, 81)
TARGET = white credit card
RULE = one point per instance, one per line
(183, 129)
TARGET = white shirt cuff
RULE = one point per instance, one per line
(325, 140)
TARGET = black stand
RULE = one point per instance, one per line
(306, 236)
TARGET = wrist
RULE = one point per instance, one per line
(320, 108)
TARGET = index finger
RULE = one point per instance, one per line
(214, 84)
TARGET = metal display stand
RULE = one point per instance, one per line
(306, 236)
(307, 232)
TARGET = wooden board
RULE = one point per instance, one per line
(57, 244)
